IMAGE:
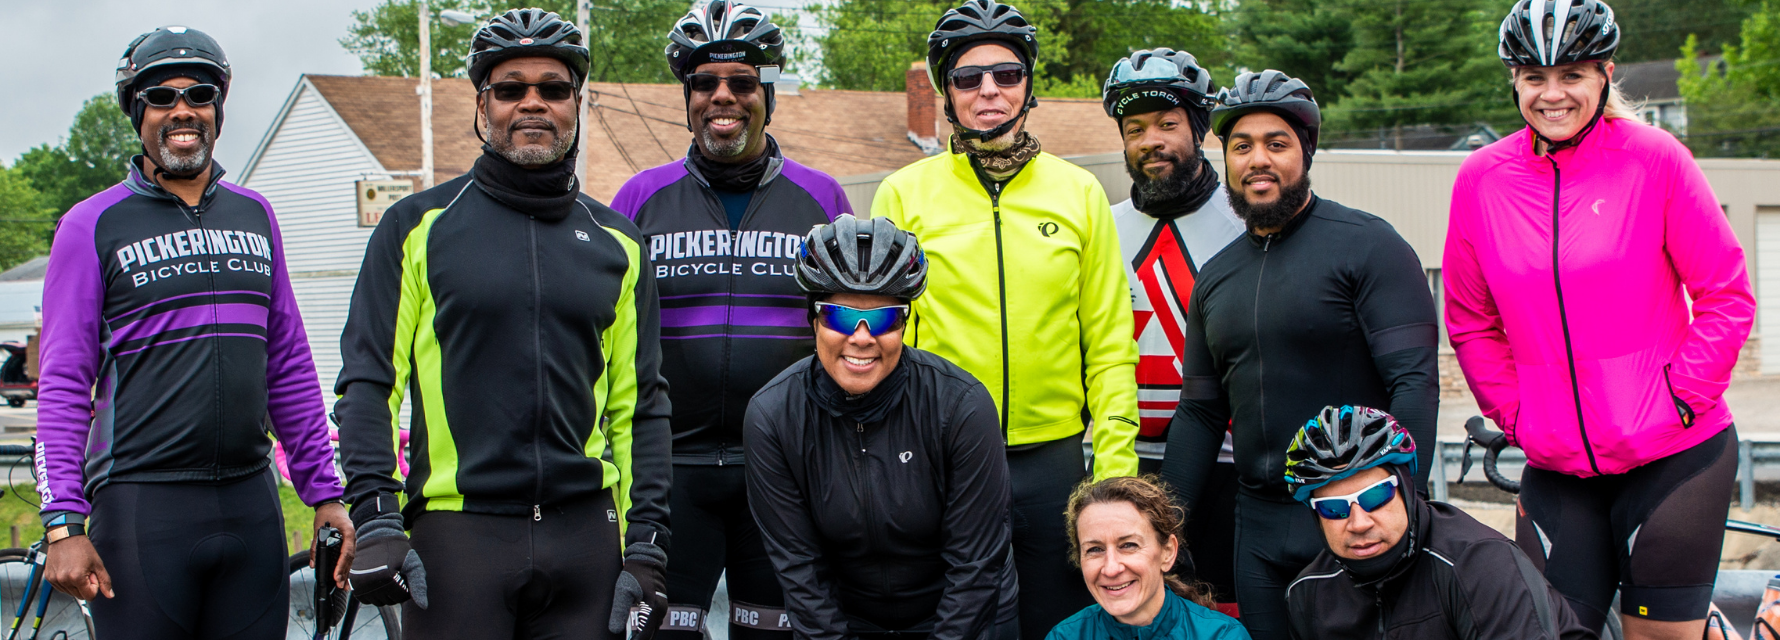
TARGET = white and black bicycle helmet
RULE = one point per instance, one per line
(523, 33)
(166, 48)
(978, 21)
(872, 257)
(726, 31)
(1343, 441)
(723, 31)
(1268, 90)
(1548, 33)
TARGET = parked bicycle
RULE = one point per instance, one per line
(25, 592)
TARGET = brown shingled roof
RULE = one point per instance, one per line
(637, 126)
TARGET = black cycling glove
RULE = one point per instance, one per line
(641, 585)
(386, 570)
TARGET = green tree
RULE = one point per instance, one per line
(869, 44)
(627, 36)
(1734, 109)
(20, 239)
(1415, 63)
(1656, 29)
(93, 157)
(1304, 38)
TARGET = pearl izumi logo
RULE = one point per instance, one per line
(1047, 228)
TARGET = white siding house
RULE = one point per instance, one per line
(306, 166)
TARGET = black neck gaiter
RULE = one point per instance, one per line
(869, 407)
(1199, 190)
(1400, 557)
(738, 177)
(547, 192)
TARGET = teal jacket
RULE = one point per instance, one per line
(1179, 620)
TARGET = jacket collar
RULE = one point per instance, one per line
(1291, 225)
(775, 163)
(1174, 608)
(143, 186)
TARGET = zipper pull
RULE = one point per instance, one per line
(1267, 244)
(860, 426)
(537, 513)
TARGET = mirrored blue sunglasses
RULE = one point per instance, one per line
(1369, 498)
(877, 321)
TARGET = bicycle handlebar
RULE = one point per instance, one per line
(7, 450)
(1493, 443)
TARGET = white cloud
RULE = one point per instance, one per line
(70, 51)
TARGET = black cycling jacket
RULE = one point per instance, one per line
(896, 523)
(732, 315)
(1332, 310)
(1464, 581)
(526, 343)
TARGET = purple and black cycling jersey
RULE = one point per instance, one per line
(732, 315)
(170, 336)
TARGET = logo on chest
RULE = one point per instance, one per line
(582, 236)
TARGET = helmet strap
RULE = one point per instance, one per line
(1554, 146)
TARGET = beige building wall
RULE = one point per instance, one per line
(1413, 189)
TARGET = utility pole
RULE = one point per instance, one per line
(426, 97)
(582, 22)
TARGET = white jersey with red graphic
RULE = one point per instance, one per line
(1162, 259)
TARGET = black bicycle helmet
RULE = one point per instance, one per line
(164, 48)
(977, 21)
(1343, 441)
(724, 31)
(1268, 90)
(1138, 84)
(523, 33)
(1547, 33)
(862, 256)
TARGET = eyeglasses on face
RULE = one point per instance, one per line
(164, 97)
(1007, 74)
(877, 321)
(707, 83)
(551, 91)
(1370, 498)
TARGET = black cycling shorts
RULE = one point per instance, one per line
(1654, 534)
(1274, 542)
(1051, 589)
(192, 560)
(492, 577)
(713, 533)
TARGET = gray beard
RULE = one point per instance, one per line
(724, 149)
(187, 164)
(529, 156)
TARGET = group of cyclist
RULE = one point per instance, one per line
(891, 442)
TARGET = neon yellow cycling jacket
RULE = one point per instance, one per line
(1026, 292)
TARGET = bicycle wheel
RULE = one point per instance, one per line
(64, 619)
(368, 624)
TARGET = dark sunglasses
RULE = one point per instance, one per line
(196, 95)
(1369, 498)
(877, 321)
(552, 91)
(1007, 74)
(707, 83)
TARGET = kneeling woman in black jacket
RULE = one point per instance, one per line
(876, 471)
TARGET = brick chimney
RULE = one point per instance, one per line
(921, 108)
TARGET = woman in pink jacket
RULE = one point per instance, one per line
(1574, 248)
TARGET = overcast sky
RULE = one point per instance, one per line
(269, 45)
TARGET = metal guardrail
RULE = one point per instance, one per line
(1754, 451)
